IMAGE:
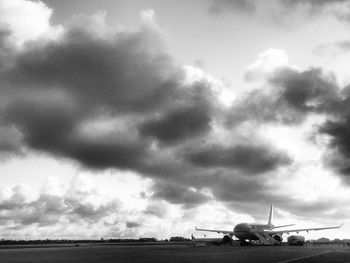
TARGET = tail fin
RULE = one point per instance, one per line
(270, 216)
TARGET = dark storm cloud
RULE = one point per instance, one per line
(308, 90)
(232, 187)
(121, 73)
(44, 122)
(132, 224)
(339, 132)
(104, 153)
(248, 158)
(5, 46)
(219, 6)
(50, 125)
(59, 85)
(293, 95)
(56, 92)
(178, 194)
(10, 140)
(302, 93)
(56, 87)
(89, 212)
(178, 125)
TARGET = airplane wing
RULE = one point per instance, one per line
(215, 231)
(302, 229)
(283, 226)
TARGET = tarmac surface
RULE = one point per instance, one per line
(176, 253)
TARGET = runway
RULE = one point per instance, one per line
(176, 253)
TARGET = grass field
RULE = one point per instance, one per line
(175, 253)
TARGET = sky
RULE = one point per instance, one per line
(128, 119)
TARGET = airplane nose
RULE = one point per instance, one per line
(241, 228)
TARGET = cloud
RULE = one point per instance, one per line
(262, 107)
(340, 9)
(234, 188)
(314, 3)
(219, 6)
(178, 194)
(338, 132)
(107, 99)
(117, 99)
(280, 12)
(157, 208)
(266, 63)
(293, 96)
(57, 87)
(132, 224)
(248, 158)
(20, 17)
(309, 90)
(343, 45)
(120, 74)
(10, 140)
(21, 206)
(179, 125)
(290, 95)
(335, 48)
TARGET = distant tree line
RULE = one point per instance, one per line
(74, 241)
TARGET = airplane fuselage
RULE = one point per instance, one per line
(245, 231)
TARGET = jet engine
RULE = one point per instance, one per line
(278, 238)
(226, 239)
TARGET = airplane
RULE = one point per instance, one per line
(264, 233)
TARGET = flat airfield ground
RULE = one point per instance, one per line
(176, 253)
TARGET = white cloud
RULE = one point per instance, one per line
(147, 16)
(5, 194)
(266, 63)
(27, 20)
(149, 22)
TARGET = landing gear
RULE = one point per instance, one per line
(227, 240)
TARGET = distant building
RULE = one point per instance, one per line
(346, 242)
(323, 240)
(336, 241)
(178, 239)
(147, 239)
(296, 240)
